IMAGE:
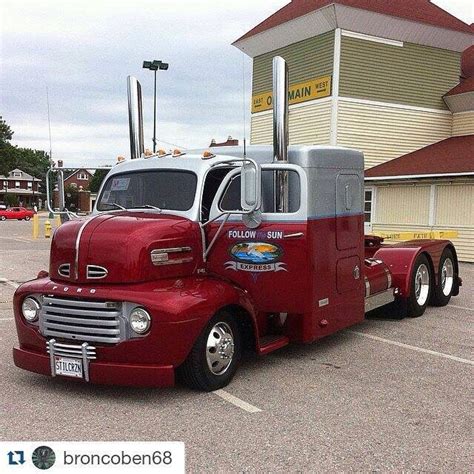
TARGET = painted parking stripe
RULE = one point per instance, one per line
(465, 308)
(236, 401)
(7, 319)
(10, 283)
(413, 348)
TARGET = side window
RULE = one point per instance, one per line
(213, 181)
(231, 199)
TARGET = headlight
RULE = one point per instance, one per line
(140, 320)
(30, 309)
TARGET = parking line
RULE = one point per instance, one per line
(7, 319)
(236, 401)
(461, 307)
(8, 282)
(413, 348)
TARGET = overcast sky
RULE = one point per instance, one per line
(84, 50)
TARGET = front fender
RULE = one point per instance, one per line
(180, 309)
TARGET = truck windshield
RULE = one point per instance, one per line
(163, 189)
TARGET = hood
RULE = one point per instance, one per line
(117, 248)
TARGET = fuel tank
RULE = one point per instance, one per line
(378, 277)
(125, 247)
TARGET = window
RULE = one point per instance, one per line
(368, 206)
(30, 184)
(82, 176)
(17, 184)
(165, 189)
(231, 198)
(17, 174)
(5, 185)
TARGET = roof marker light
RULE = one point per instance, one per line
(207, 155)
(177, 152)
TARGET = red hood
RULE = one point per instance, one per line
(121, 243)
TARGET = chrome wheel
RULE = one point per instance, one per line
(447, 277)
(220, 348)
(422, 284)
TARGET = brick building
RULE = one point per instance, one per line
(79, 178)
(25, 188)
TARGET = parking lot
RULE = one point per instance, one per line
(386, 395)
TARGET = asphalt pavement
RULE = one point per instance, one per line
(386, 395)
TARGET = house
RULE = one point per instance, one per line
(387, 78)
(25, 188)
(229, 142)
(79, 178)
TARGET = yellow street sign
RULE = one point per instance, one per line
(316, 88)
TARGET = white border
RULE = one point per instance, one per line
(413, 176)
(375, 39)
(335, 86)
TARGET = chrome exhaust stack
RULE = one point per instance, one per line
(280, 131)
(135, 117)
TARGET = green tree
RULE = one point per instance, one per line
(97, 180)
(6, 132)
(34, 162)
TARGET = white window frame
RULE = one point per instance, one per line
(82, 176)
(368, 225)
(17, 184)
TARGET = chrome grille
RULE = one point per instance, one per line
(79, 320)
(94, 272)
(65, 270)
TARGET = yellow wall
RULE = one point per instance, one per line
(402, 205)
(384, 132)
(406, 208)
(463, 123)
(308, 124)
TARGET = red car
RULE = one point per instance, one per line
(16, 213)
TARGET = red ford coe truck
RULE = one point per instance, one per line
(191, 258)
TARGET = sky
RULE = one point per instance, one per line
(82, 51)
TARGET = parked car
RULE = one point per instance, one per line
(19, 213)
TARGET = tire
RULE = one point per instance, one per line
(27, 218)
(443, 291)
(420, 287)
(3, 218)
(205, 369)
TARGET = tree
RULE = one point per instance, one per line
(6, 132)
(97, 180)
(34, 162)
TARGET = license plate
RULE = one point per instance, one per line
(68, 367)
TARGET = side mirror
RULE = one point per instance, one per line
(250, 186)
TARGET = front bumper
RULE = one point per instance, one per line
(105, 373)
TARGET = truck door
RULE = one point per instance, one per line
(270, 261)
(349, 247)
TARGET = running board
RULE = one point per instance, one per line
(269, 344)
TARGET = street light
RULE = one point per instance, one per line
(155, 66)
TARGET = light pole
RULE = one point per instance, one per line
(155, 66)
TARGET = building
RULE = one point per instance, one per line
(25, 189)
(79, 178)
(382, 77)
(229, 142)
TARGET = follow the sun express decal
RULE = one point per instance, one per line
(256, 257)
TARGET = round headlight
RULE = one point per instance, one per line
(140, 320)
(30, 309)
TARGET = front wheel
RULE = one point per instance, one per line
(215, 356)
(3, 218)
(27, 218)
(446, 278)
(420, 287)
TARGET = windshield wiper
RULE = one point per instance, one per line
(117, 205)
(149, 206)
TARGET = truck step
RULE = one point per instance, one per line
(269, 344)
